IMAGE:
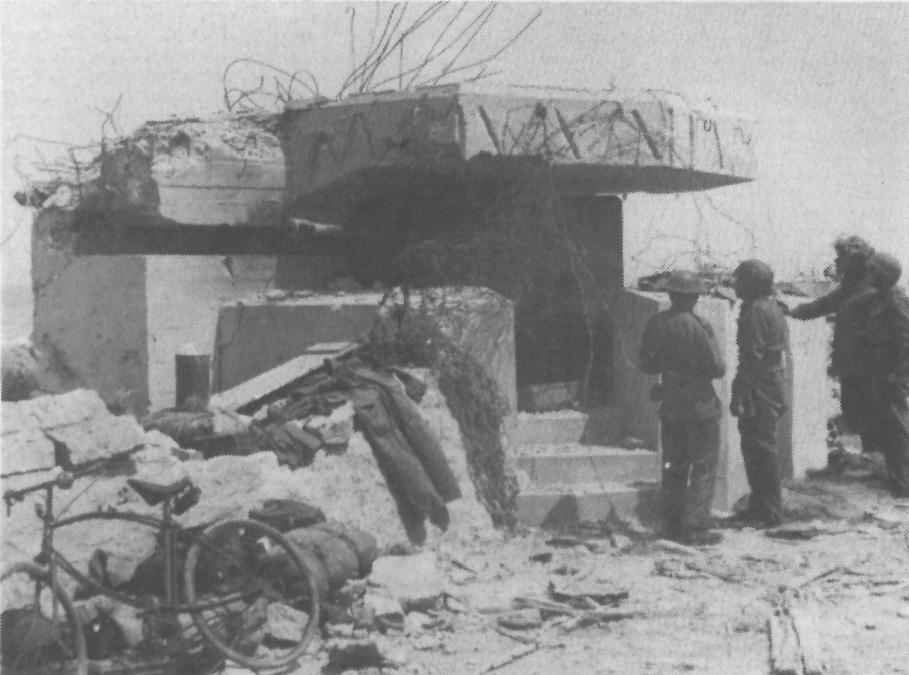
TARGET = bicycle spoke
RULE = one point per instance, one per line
(272, 624)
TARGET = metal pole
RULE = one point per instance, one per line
(193, 381)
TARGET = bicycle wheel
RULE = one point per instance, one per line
(40, 631)
(251, 594)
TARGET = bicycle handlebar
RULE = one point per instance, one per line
(65, 479)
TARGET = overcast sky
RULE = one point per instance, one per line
(828, 83)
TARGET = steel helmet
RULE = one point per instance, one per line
(683, 281)
(888, 270)
(756, 277)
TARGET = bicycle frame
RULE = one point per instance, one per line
(53, 559)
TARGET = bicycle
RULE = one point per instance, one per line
(239, 578)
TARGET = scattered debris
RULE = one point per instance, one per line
(673, 547)
(415, 580)
(794, 646)
(284, 622)
(576, 591)
(569, 541)
(509, 658)
(521, 619)
(386, 611)
(803, 531)
(71, 429)
(784, 653)
(357, 654)
(544, 557)
(676, 569)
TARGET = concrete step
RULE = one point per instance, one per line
(554, 464)
(560, 507)
(563, 426)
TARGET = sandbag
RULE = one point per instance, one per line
(363, 543)
(336, 555)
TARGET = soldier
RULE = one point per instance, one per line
(884, 350)
(680, 347)
(847, 302)
(758, 389)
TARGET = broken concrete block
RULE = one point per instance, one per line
(26, 450)
(48, 412)
(414, 580)
(98, 438)
(285, 623)
(521, 619)
(386, 611)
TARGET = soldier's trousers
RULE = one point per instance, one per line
(758, 433)
(889, 435)
(691, 449)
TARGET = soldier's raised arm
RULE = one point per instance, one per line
(824, 305)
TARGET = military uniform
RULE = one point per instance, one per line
(884, 350)
(681, 347)
(848, 303)
(759, 387)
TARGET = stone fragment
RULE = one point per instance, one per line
(285, 622)
(98, 438)
(387, 611)
(416, 622)
(903, 612)
(460, 576)
(521, 619)
(339, 630)
(354, 654)
(415, 580)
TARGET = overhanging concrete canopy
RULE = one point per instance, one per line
(593, 144)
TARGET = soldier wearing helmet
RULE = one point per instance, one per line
(680, 347)
(758, 389)
(848, 304)
(883, 352)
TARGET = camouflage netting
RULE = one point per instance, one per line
(410, 336)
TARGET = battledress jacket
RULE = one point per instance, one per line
(681, 347)
(887, 339)
(763, 338)
(849, 304)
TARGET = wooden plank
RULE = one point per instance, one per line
(785, 658)
(804, 620)
(260, 386)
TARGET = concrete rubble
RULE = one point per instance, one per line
(472, 600)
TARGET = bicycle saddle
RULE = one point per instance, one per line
(155, 493)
